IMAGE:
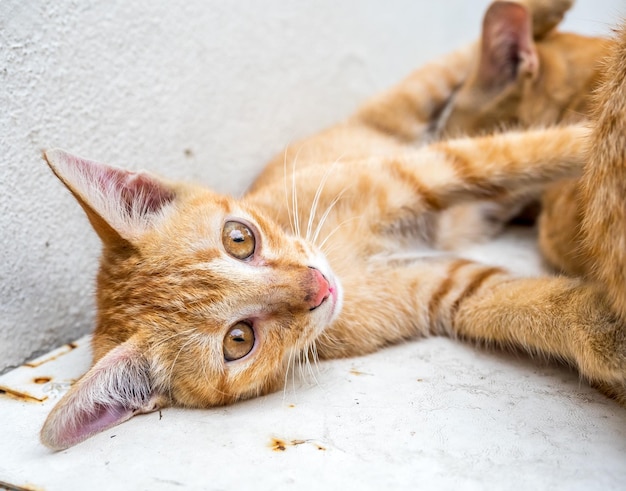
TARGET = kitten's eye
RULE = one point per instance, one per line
(238, 342)
(238, 240)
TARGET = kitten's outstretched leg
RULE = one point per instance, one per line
(561, 318)
(493, 166)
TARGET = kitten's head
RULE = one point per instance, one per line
(202, 300)
(526, 72)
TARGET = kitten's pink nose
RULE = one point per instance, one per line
(320, 290)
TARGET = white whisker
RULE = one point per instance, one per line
(315, 356)
(289, 214)
(294, 194)
(171, 371)
(202, 341)
(293, 374)
(328, 250)
(169, 338)
(289, 367)
(333, 231)
(320, 224)
(303, 359)
(316, 198)
(309, 355)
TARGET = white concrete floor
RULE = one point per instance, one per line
(429, 414)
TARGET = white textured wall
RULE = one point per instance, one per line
(204, 90)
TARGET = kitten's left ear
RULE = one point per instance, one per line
(115, 389)
(120, 204)
(507, 49)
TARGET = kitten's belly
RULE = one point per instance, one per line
(515, 250)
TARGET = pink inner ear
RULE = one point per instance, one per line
(112, 391)
(98, 419)
(506, 43)
(152, 194)
(137, 191)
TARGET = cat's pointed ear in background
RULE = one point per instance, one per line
(115, 389)
(546, 14)
(120, 204)
(508, 53)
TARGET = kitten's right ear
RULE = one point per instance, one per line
(116, 388)
(120, 204)
(507, 48)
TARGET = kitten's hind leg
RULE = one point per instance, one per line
(409, 110)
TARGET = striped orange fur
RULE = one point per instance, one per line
(204, 299)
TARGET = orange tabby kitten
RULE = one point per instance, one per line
(204, 299)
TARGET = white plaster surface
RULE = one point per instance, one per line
(202, 89)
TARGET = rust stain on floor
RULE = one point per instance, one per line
(280, 445)
(356, 372)
(20, 396)
(68, 347)
(24, 487)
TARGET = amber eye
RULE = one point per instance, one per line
(238, 342)
(238, 240)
